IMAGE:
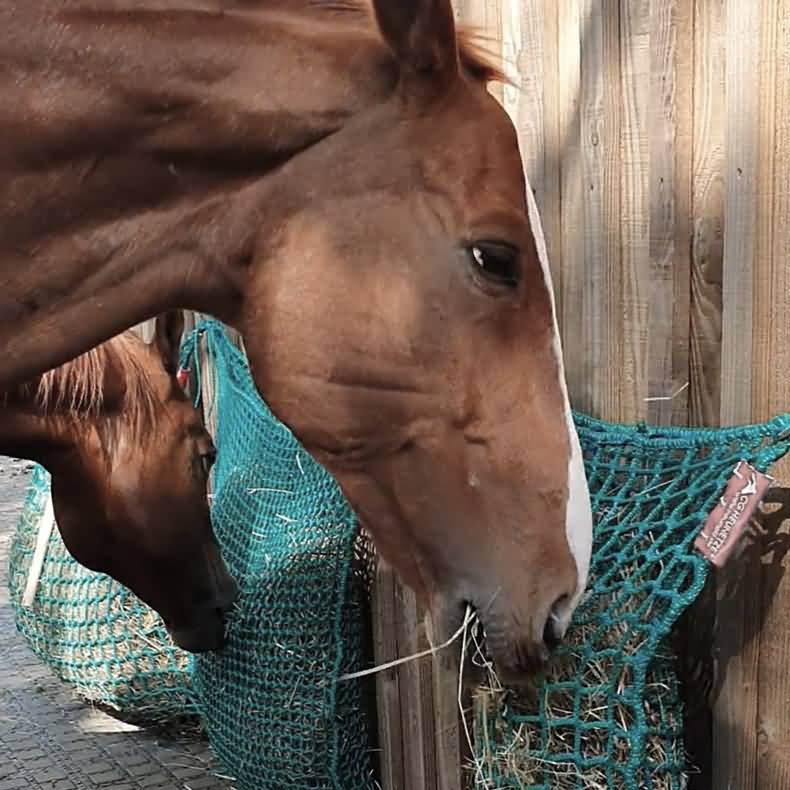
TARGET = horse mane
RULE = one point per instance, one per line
(78, 385)
(475, 59)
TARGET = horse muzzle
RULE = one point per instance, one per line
(209, 628)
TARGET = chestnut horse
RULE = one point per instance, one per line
(335, 181)
(129, 459)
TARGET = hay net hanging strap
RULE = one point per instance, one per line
(275, 714)
(607, 714)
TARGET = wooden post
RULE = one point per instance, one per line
(751, 725)
(385, 648)
(417, 702)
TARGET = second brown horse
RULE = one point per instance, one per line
(129, 459)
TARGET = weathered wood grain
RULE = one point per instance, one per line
(771, 386)
(565, 158)
(735, 709)
(700, 308)
(707, 239)
(669, 131)
(388, 699)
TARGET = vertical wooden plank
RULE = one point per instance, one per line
(385, 648)
(703, 314)
(189, 321)
(554, 148)
(416, 695)
(609, 384)
(593, 270)
(145, 330)
(735, 708)
(614, 77)
(530, 30)
(742, 113)
(450, 749)
(710, 122)
(209, 389)
(669, 131)
(634, 207)
(684, 23)
(525, 38)
(509, 41)
(771, 390)
(568, 160)
(484, 17)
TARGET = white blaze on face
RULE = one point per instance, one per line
(578, 516)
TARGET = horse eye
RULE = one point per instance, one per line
(497, 262)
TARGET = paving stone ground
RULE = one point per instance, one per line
(50, 740)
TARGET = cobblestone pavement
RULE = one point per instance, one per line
(49, 740)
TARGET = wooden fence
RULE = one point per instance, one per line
(656, 137)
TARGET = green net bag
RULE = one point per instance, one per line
(95, 634)
(607, 713)
(275, 716)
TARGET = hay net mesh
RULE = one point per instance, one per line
(607, 713)
(94, 633)
(275, 716)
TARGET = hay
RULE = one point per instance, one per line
(606, 713)
(275, 713)
(95, 634)
(514, 750)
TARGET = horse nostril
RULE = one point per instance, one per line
(553, 630)
(559, 606)
(551, 635)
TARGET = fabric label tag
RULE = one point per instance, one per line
(728, 520)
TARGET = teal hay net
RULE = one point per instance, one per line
(275, 716)
(95, 634)
(607, 713)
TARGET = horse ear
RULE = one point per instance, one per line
(421, 33)
(167, 338)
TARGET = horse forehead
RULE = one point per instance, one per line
(475, 142)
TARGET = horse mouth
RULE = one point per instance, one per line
(488, 650)
(203, 637)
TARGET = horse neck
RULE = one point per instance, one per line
(154, 164)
